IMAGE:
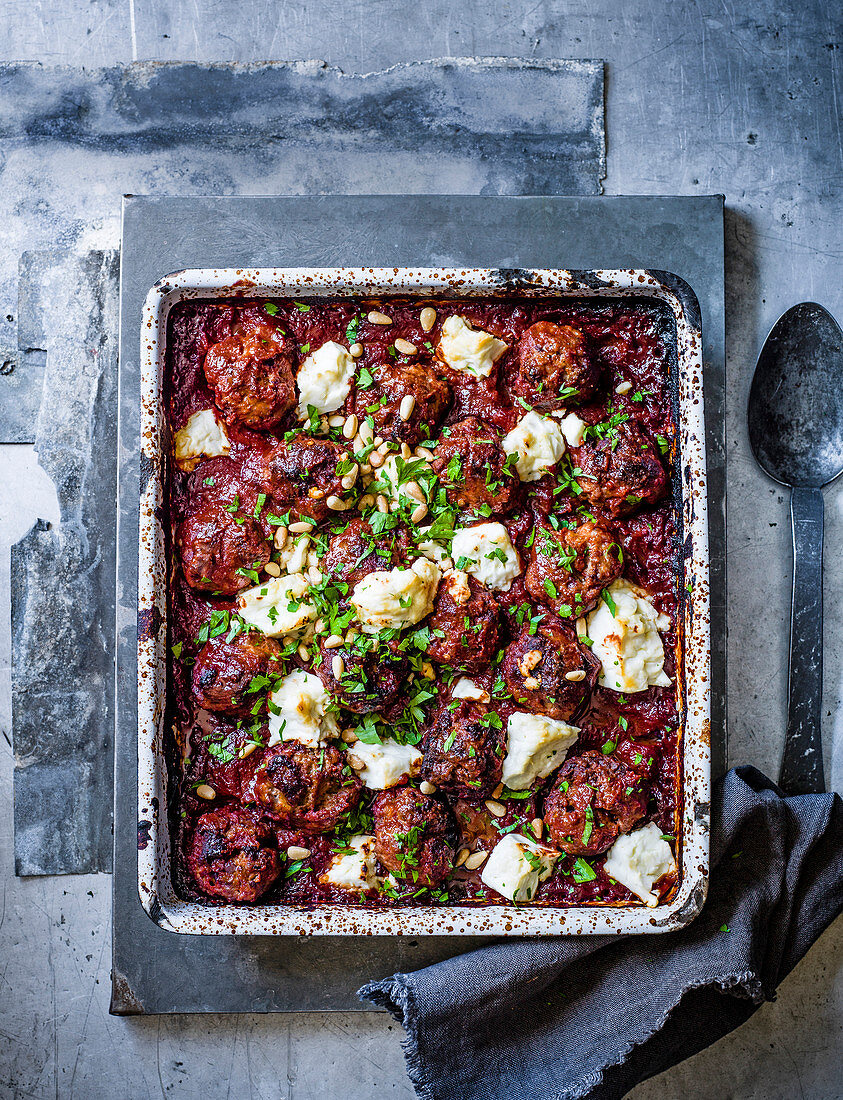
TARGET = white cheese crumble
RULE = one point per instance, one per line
(299, 711)
(277, 606)
(324, 379)
(456, 582)
(469, 349)
(537, 442)
(573, 429)
(627, 642)
(355, 870)
(639, 859)
(203, 436)
(485, 551)
(382, 766)
(467, 689)
(517, 866)
(393, 598)
(535, 746)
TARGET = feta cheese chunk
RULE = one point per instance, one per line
(277, 606)
(203, 436)
(485, 551)
(469, 349)
(394, 598)
(302, 714)
(573, 429)
(517, 866)
(535, 746)
(467, 689)
(324, 379)
(537, 442)
(639, 859)
(627, 642)
(382, 766)
(355, 870)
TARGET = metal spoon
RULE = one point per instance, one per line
(795, 417)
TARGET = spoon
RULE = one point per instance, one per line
(795, 415)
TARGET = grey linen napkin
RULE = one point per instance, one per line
(563, 1018)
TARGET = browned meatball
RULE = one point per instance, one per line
(594, 799)
(535, 668)
(219, 547)
(299, 476)
(232, 854)
(310, 788)
(570, 567)
(372, 678)
(392, 383)
(224, 671)
(553, 359)
(464, 625)
(251, 374)
(413, 836)
(621, 471)
(354, 552)
(464, 751)
(471, 464)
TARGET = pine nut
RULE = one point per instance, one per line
(405, 451)
(304, 652)
(338, 667)
(247, 750)
(355, 351)
(336, 421)
(301, 528)
(427, 318)
(462, 856)
(377, 318)
(206, 792)
(497, 809)
(419, 513)
(280, 538)
(295, 852)
(382, 448)
(408, 403)
(334, 642)
(349, 479)
(383, 503)
(537, 825)
(350, 635)
(272, 568)
(376, 460)
(574, 677)
(366, 501)
(623, 387)
(475, 860)
(427, 670)
(404, 346)
(349, 736)
(336, 504)
(378, 440)
(426, 788)
(366, 432)
(423, 452)
(414, 490)
(498, 791)
(349, 427)
(315, 575)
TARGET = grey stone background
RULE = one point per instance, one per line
(702, 97)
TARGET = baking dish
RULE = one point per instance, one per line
(155, 881)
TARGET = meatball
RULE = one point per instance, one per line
(251, 374)
(621, 471)
(413, 836)
(220, 547)
(299, 476)
(354, 552)
(464, 751)
(392, 384)
(471, 464)
(309, 788)
(536, 667)
(232, 854)
(570, 567)
(372, 678)
(594, 799)
(224, 671)
(553, 359)
(464, 625)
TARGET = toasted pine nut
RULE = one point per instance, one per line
(301, 528)
(475, 860)
(272, 568)
(336, 421)
(334, 642)
(349, 427)
(280, 538)
(315, 575)
(404, 346)
(423, 452)
(349, 479)
(382, 448)
(577, 674)
(365, 432)
(338, 667)
(247, 749)
(349, 736)
(537, 825)
(350, 635)
(462, 856)
(405, 451)
(355, 351)
(377, 318)
(366, 501)
(623, 387)
(303, 652)
(427, 318)
(426, 788)
(206, 792)
(408, 403)
(414, 490)
(497, 809)
(419, 513)
(295, 852)
(498, 791)
(383, 503)
(336, 504)
(375, 460)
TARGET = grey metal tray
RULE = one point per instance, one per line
(155, 971)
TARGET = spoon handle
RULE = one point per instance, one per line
(802, 764)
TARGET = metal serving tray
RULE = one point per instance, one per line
(155, 885)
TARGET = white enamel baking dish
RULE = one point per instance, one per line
(154, 871)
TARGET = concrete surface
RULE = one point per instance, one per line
(702, 97)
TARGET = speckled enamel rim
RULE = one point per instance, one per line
(693, 667)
